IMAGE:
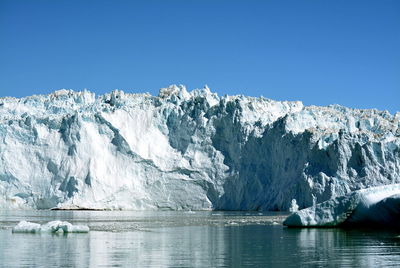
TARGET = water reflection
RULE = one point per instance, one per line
(346, 247)
(185, 247)
(155, 239)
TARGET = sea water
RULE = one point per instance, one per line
(190, 239)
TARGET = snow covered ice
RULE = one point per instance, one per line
(185, 150)
(50, 227)
(378, 206)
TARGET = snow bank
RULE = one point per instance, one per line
(50, 227)
(373, 206)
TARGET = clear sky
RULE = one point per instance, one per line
(321, 52)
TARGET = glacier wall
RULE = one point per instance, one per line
(188, 150)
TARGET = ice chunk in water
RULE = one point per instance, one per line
(26, 227)
(50, 227)
(379, 206)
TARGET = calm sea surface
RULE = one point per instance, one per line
(190, 239)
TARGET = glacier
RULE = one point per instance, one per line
(374, 206)
(185, 150)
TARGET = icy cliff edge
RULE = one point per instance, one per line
(188, 150)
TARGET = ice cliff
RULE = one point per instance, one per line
(188, 150)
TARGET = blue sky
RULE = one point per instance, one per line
(320, 52)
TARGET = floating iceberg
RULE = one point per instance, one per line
(50, 227)
(372, 206)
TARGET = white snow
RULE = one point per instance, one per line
(50, 227)
(188, 150)
(376, 205)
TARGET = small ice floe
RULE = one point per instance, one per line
(50, 227)
(189, 212)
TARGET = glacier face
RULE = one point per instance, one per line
(188, 150)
